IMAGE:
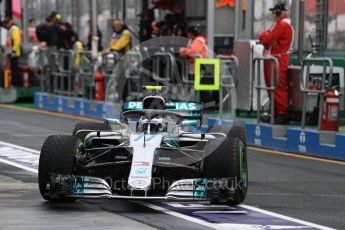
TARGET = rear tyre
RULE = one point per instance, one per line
(57, 157)
(228, 160)
(89, 126)
(238, 130)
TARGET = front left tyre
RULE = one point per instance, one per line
(57, 157)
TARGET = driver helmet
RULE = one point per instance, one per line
(156, 125)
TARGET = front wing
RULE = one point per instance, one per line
(86, 187)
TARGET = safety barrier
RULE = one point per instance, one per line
(108, 64)
(133, 62)
(79, 74)
(229, 67)
(61, 72)
(84, 75)
(42, 69)
(274, 70)
(327, 65)
(69, 73)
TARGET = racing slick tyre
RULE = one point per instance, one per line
(89, 126)
(227, 158)
(57, 157)
(237, 130)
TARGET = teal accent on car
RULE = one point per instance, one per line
(200, 188)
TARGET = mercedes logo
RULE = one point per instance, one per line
(139, 183)
(302, 138)
(257, 131)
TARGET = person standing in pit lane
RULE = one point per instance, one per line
(197, 48)
(13, 49)
(277, 42)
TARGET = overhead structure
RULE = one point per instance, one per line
(321, 20)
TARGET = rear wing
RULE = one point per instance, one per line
(190, 108)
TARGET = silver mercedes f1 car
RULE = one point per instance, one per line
(148, 154)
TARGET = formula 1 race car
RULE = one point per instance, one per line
(148, 154)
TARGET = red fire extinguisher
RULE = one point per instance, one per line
(99, 86)
(330, 114)
(77, 83)
(26, 74)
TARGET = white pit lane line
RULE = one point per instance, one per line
(27, 159)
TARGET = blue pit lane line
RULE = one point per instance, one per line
(213, 216)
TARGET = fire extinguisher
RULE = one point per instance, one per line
(26, 80)
(7, 77)
(330, 114)
(99, 86)
(77, 83)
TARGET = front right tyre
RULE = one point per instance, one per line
(227, 158)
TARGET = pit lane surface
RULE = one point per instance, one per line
(305, 189)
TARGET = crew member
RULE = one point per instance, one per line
(121, 38)
(14, 49)
(197, 47)
(277, 42)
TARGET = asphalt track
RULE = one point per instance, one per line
(306, 189)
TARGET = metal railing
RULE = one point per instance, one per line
(42, 69)
(306, 63)
(85, 74)
(61, 72)
(65, 76)
(274, 70)
(229, 66)
(133, 62)
(162, 60)
(109, 61)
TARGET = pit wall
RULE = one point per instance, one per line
(330, 145)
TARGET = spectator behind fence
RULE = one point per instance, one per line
(47, 32)
(13, 49)
(179, 29)
(32, 31)
(77, 46)
(180, 26)
(166, 26)
(89, 37)
(64, 30)
(145, 32)
(121, 38)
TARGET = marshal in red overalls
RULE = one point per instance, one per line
(277, 42)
